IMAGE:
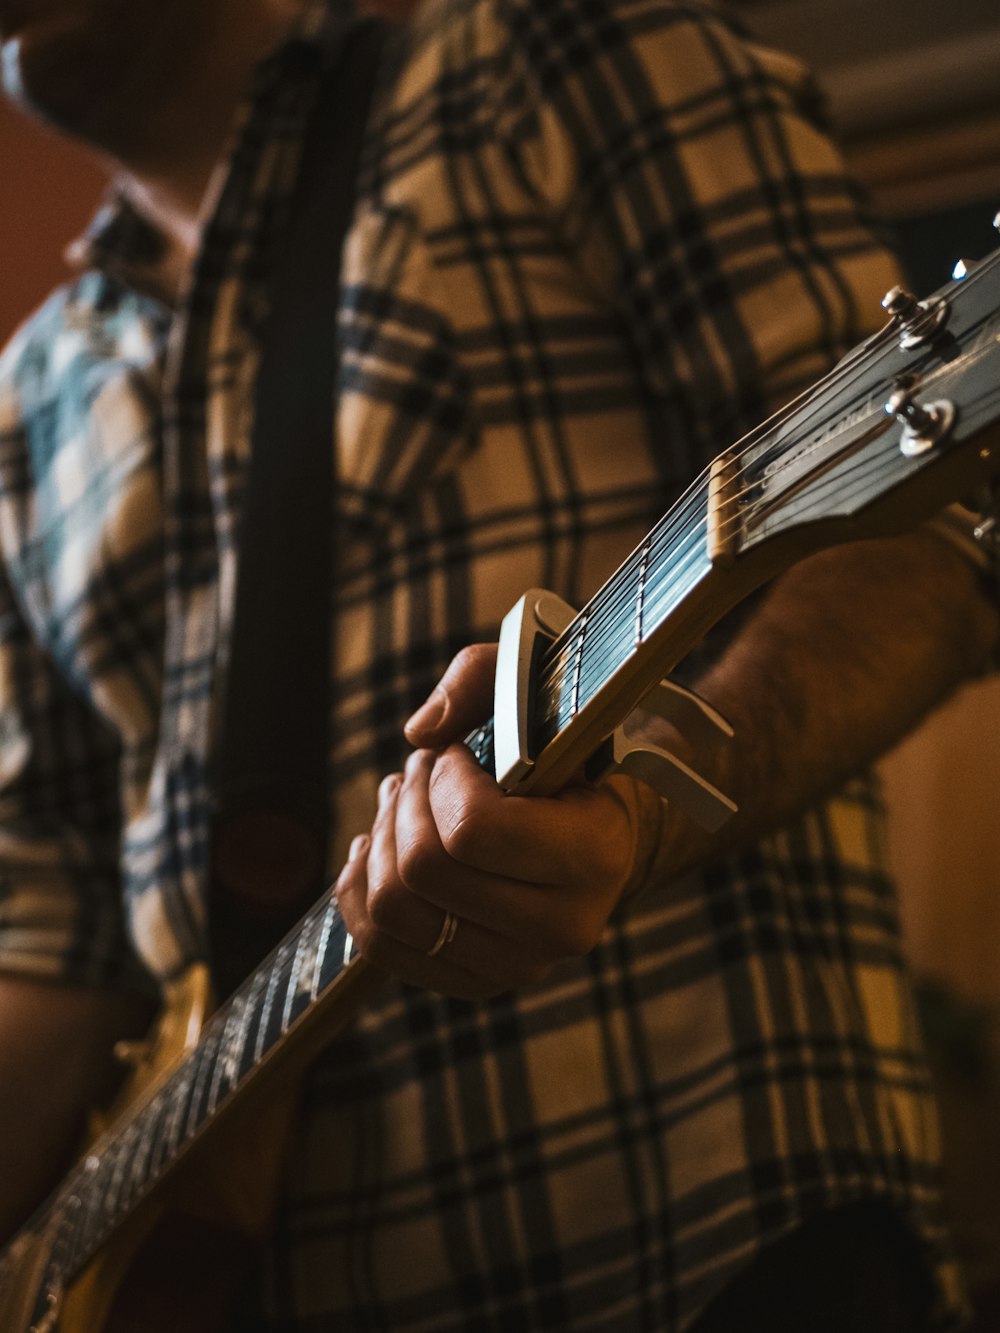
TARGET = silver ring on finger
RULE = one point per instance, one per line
(449, 929)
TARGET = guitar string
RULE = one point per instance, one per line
(855, 481)
(847, 366)
(687, 503)
(618, 580)
(602, 621)
(616, 626)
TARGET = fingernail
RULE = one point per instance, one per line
(387, 788)
(428, 715)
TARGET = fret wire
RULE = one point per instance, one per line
(641, 589)
(178, 1095)
(265, 1040)
(603, 660)
(265, 1014)
(158, 1113)
(550, 718)
(575, 695)
(87, 1193)
(614, 615)
(662, 534)
(293, 980)
(249, 995)
(663, 598)
(202, 1060)
(324, 942)
(102, 1183)
(227, 1067)
(118, 1171)
(334, 961)
(623, 629)
(606, 666)
(137, 1174)
(251, 1014)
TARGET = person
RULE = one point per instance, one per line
(647, 1078)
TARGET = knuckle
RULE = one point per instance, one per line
(384, 906)
(462, 833)
(418, 862)
(467, 657)
(472, 659)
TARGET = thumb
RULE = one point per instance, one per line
(462, 699)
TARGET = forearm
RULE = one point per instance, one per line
(846, 653)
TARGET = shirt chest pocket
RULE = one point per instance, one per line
(405, 414)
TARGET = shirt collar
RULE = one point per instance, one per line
(120, 241)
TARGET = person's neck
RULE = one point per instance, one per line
(168, 163)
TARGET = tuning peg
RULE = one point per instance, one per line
(919, 321)
(924, 424)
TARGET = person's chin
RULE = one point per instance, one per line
(10, 67)
(42, 73)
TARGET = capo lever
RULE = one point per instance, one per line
(538, 618)
(676, 782)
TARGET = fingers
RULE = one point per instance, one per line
(463, 699)
(528, 881)
(397, 929)
(569, 839)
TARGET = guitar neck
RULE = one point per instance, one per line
(271, 1028)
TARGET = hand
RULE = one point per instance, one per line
(528, 880)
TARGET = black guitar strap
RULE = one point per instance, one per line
(272, 800)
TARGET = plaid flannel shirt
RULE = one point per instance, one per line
(593, 239)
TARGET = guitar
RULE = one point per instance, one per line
(908, 422)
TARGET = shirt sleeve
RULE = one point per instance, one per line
(60, 901)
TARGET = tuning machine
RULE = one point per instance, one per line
(924, 424)
(919, 322)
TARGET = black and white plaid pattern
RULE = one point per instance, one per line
(594, 238)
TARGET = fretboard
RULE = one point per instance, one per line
(125, 1165)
